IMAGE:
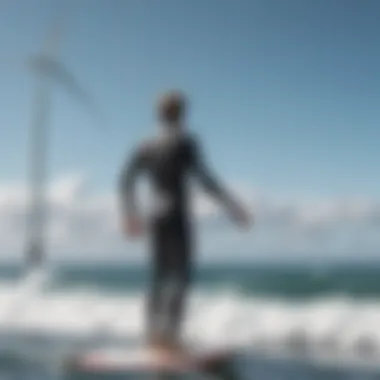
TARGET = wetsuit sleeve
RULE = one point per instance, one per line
(207, 178)
(127, 181)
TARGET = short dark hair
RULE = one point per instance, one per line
(171, 105)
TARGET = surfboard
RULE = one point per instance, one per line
(142, 359)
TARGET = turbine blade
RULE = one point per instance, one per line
(62, 75)
(54, 36)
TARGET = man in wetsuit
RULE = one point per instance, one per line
(169, 159)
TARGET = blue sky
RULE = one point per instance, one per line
(285, 93)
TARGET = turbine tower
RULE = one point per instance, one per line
(46, 67)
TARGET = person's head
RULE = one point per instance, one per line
(171, 107)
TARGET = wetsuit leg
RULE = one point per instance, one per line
(179, 262)
(170, 280)
(155, 293)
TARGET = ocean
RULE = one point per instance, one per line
(289, 321)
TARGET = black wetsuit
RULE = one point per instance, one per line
(169, 161)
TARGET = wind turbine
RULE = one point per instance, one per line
(46, 67)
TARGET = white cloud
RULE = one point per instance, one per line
(85, 224)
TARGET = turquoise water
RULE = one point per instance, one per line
(359, 280)
(286, 281)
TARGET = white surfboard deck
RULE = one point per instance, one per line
(141, 359)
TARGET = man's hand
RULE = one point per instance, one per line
(132, 227)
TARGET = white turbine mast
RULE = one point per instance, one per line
(46, 67)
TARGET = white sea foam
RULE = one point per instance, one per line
(335, 326)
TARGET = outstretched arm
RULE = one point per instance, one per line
(213, 186)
